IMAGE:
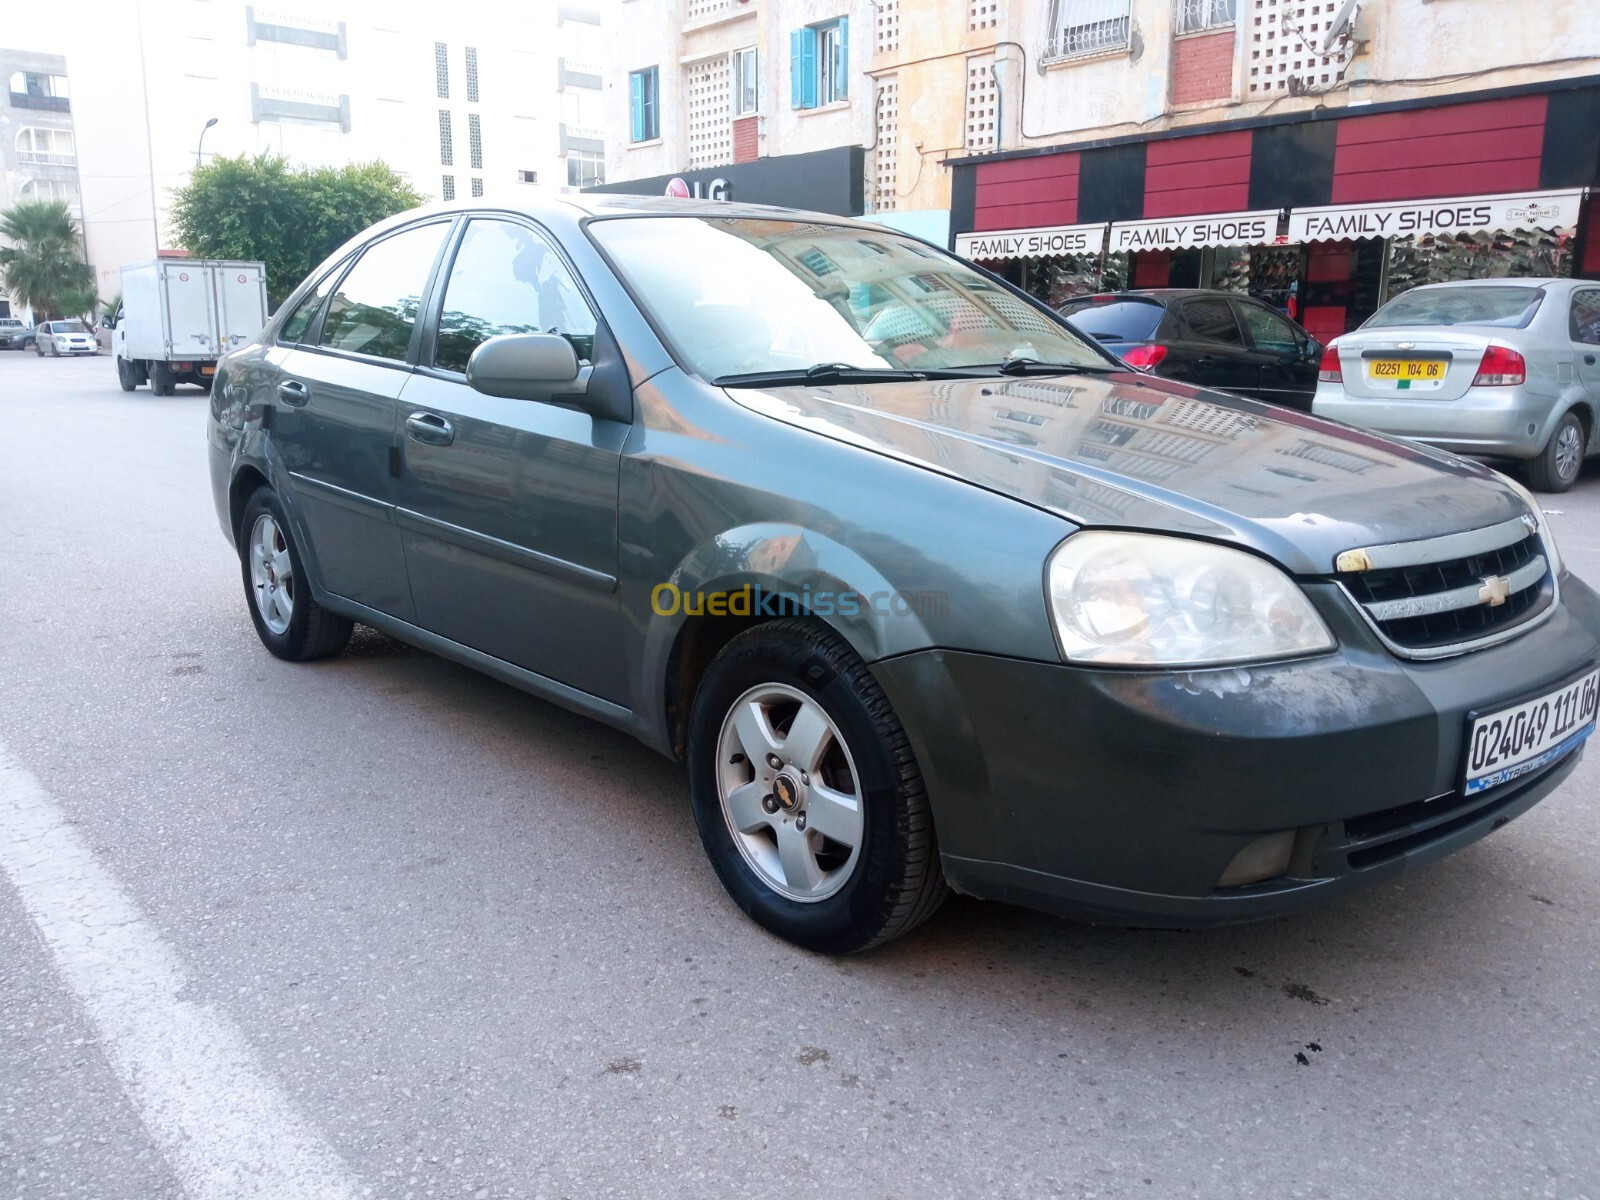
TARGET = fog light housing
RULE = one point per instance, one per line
(1261, 859)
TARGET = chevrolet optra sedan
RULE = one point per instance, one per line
(926, 590)
(1503, 368)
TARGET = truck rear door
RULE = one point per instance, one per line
(190, 308)
(241, 304)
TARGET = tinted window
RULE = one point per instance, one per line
(1507, 307)
(1584, 325)
(376, 306)
(1212, 321)
(1115, 320)
(1269, 331)
(294, 329)
(507, 279)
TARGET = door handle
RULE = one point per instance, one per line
(1588, 360)
(430, 428)
(292, 391)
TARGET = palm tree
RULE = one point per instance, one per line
(44, 262)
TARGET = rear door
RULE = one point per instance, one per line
(1286, 364)
(241, 303)
(1583, 327)
(191, 311)
(334, 422)
(509, 507)
(1209, 349)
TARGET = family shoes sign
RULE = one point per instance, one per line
(1222, 229)
(1032, 243)
(1469, 214)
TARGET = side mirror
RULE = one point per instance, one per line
(529, 366)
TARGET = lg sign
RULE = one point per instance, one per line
(717, 189)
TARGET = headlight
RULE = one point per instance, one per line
(1545, 532)
(1137, 599)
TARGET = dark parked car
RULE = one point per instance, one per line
(1214, 339)
(14, 335)
(922, 586)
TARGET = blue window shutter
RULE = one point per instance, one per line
(841, 71)
(803, 68)
(636, 100)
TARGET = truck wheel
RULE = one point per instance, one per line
(125, 376)
(1556, 469)
(161, 381)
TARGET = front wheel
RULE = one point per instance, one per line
(806, 793)
(1557, 466)
(125, 375)
(38, 349)
(290, 623)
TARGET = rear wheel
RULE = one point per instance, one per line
(1557, 466)
(126, 376)
(290, 623)
(806, 794)
(162, 382)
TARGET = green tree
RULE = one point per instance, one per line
(289, 218)
(43, 267)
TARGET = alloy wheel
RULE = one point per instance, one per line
(271, 574)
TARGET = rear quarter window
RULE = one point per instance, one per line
(1504, 307)
(1115, 320)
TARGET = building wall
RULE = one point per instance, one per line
(321, 83)
(26, 172)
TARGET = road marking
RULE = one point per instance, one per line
(222, 1123)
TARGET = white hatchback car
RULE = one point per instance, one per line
(1498, 368)
(65, 337)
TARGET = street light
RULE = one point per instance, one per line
(202, 141)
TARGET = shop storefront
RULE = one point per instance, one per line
(1322, 215)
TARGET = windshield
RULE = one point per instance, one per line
(68, 327)
(1507, 307)
(1115, 320)
(736, 296)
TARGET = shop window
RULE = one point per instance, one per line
(746, 82)
(1584, 324)
(819, 64)
(1079, 27)
(1195, 15)
(644, 100)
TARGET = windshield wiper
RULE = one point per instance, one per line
(1032, 366)
(821, 373)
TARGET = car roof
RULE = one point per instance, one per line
(618, 204)
(1161, 295)
(1509, 281)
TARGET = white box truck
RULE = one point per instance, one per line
(178, 316)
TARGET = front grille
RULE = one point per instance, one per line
(1426, 598)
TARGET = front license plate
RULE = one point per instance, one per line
(1407, 373)
(1503, 745)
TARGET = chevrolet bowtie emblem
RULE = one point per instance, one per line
(1495, 590)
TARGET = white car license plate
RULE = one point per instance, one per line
(1503, 745)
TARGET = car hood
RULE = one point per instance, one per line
(1131, 452)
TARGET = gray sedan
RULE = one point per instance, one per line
(1501, 368)
(925, 589)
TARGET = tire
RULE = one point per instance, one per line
(851, 774)
(125, 375)
(162, 382)
(1558, 465)
(290, 624)
(38, 349)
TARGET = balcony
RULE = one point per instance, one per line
(29, 158)
(42, 103)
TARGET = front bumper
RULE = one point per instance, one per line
(1124, 795)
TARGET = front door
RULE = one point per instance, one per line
(509, 507)
(336, 390)
(1583, 327)
(1286, 364)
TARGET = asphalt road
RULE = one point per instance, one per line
(400, 931)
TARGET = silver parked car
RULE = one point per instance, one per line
(56, 338)
(1500, 368)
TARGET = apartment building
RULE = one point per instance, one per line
(473, 99)
(38, 152)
